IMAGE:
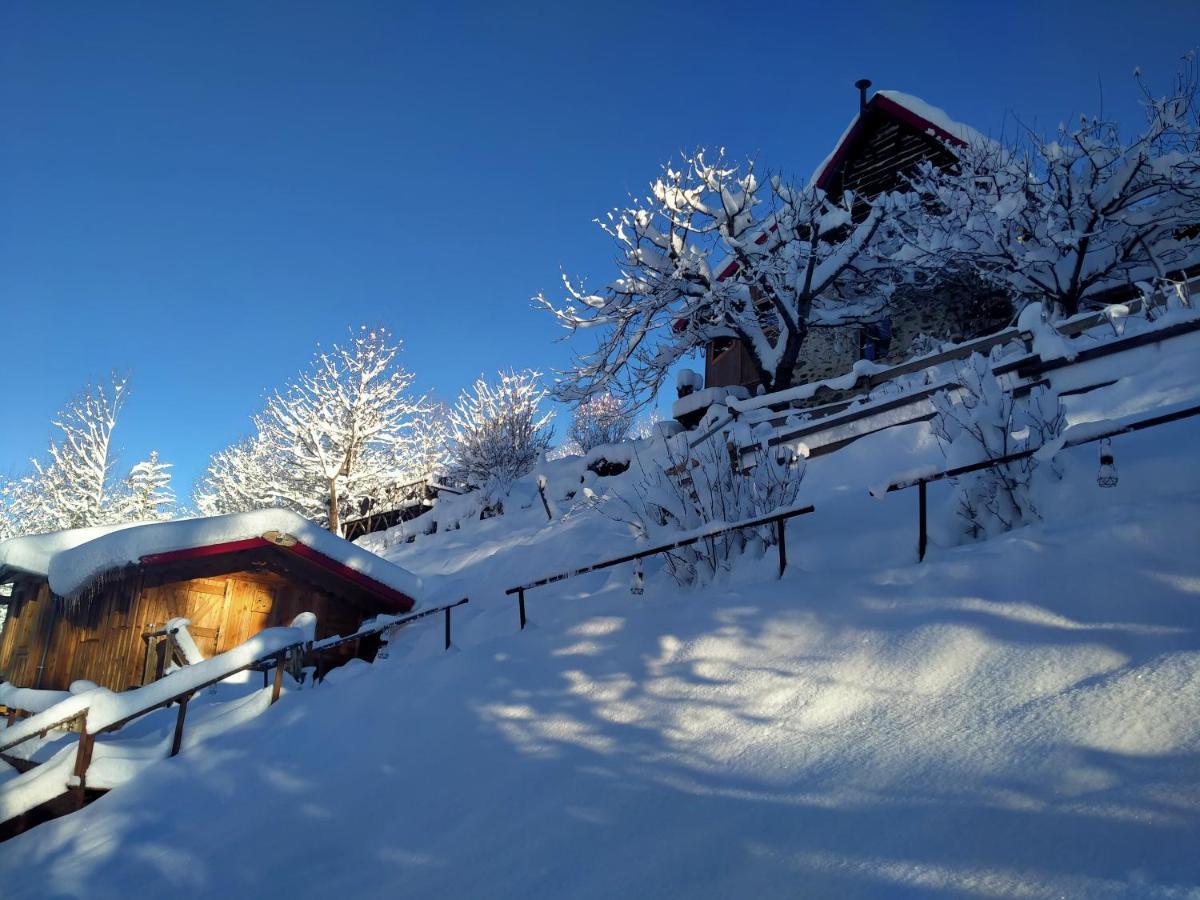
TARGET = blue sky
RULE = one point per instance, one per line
(198, 193)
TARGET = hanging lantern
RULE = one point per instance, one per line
(1108, 469)
(639, 578)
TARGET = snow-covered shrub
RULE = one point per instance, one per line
(498, 431)
(985, 422)
(683, 489)
(603, 419)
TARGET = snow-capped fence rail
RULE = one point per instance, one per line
(1085, 433)
(779, 520)
(118, 710)
(842, 423)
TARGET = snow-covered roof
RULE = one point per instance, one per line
(72, 560)
(31, 554)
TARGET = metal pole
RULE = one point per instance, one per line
(177, 740)
(922, 535)
(521, 603)
(447, 627)
(781, 532)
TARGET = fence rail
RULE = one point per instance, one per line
(277, 660)
(778, 519)
(1090, 436)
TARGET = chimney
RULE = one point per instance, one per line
(862, 84)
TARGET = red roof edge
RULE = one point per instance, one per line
(366, 582)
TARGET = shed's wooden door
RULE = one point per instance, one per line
(207, 604)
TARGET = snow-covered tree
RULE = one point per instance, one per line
(498, 430)
(326, 444)
(981, 421)
(1062, 220)
(74, 485)
(713, 252)
(243, 477)
(602, 419)
(147, 495)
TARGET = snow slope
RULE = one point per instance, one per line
(1014, 718)
(1019, 717)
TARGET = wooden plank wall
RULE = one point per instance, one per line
(100, 639)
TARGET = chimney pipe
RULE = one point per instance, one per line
(862, 84)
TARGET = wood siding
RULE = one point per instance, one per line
(100, 638)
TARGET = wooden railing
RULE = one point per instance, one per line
(1091, 436)
(777, 519)
(275, 660)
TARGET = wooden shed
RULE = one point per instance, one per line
(90, 606)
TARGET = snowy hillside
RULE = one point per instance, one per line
(1016, 717)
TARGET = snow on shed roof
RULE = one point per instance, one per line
(31, 553)
(73, 561)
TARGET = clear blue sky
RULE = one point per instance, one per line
(198, 193)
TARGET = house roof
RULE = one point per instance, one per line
(72, 561)
(894, 105)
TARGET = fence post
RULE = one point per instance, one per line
(447, 627)
(781, 534)
(922, 536)
(83, 753)
(279, 660)
(177, 739)
(521, 604)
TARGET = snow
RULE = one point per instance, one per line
(73, 567)
(178, 629)
(705, 398)
(28, 699)
(31, 554)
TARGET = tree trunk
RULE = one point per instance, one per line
(334, 525)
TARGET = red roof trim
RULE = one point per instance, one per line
(159, 559)
(366, 582)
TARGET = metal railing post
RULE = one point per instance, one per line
(447, 627)
(177, 738)
(521, 604)
(922, 534)
(781, 535)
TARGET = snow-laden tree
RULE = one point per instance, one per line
(498, 430)
(243, 477)
(1062, 220)
(74, 485)
(982, 421)
(599, 420)
(147, 495)
(713, 252)
(326, 444)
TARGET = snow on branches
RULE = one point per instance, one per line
(498, 431)
(74, 486)
(329, 443)
(1062, 220)
(603, 419)
(714, 252)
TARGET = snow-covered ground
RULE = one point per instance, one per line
(1019, 717)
